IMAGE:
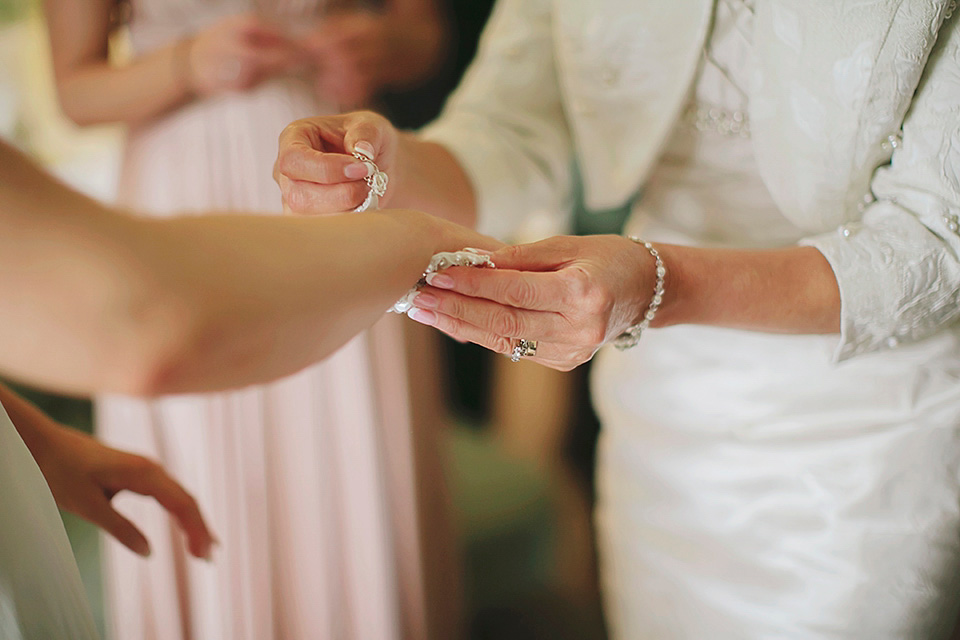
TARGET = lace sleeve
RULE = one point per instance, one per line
(505, 123)
(898, 268)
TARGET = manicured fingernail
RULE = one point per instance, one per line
(364, 148)
(426, 301)
(143, 549)
(357, 170)
(422, 316)
(440, 281)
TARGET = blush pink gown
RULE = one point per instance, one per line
(308, 482)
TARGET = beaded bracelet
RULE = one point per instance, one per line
(631, 336)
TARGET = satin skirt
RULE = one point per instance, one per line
(751, 488)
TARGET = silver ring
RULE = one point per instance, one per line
(524, 349)
(377, 182)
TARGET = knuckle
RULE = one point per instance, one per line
(593, 333)
(296, 198)
(519, 293)
(287, 163)
(577, 284)
(598, 299)
(502, 345)
(452, 306)
(512, 252)
(506, 323)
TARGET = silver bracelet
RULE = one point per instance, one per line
(631, 336)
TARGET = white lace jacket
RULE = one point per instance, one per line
(855, 117)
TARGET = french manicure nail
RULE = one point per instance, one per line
(357, 170)
(426, 301)
(423, 316)
(440, 281)
(364, 148)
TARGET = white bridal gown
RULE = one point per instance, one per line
(41, 596)
(749, 487)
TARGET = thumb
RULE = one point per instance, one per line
(365, 135)
(545, 255)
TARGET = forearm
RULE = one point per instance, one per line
(431, 179)
(791, 290)
(98, 92)
(264, 297)
(94, 300)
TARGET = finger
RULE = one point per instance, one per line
(106, 517)
(524, 290)
(559, 357)
(364, 135)
(545, 255)
(299, 161)
(157, 484)
(306, 198)
(497, 318)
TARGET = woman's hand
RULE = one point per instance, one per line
(84, 476)
(237, 53)
(315, 170)
(571, 294)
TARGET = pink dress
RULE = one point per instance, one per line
(307, 482)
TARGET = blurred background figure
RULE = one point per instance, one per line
(310, 481)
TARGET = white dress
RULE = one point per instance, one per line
(749, 487)
(41, 596)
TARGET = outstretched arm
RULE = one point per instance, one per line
(95, 300)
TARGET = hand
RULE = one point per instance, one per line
(571, 294)
(237, 53)
(84, 476)
(352, 51)
(315, 170)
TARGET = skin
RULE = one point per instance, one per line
(84, 476)
(352, 55)
(109, 302)
(572, 294)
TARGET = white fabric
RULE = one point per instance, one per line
(41, 596)
(749, 486)
(832, 81)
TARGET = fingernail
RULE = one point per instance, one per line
(357, 170)
(143, 549)
(364, 148)
(422, 316)
(426, 301)
(440, 281)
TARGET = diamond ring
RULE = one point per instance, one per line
(524, 349)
